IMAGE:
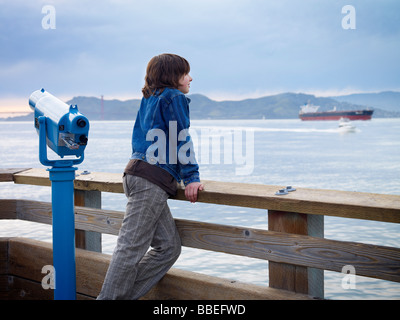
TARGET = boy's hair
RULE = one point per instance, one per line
(164, 71)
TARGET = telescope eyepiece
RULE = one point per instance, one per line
(81, 123)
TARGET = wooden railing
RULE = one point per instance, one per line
(294, 243)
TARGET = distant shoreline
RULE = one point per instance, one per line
(279, 106)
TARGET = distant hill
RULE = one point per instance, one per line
(280, 106)
(387, 100)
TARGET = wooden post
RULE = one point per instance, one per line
(88, 240)
(292, 277)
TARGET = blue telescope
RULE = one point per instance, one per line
(66, 128)
(63, 129)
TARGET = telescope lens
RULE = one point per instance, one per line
(83, 139)
(81, 123)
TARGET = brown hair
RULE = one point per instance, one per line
(164, 71)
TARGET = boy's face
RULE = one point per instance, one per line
(184, 83)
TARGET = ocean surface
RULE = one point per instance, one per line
(275, 152)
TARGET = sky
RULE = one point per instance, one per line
(237, 49)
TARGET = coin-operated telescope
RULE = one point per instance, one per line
(64, 130)
(61, 127)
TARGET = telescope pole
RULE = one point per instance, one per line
(62, 184)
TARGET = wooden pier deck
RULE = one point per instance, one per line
(294, 243)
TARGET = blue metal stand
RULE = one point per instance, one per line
(62, 176)
(62, 188)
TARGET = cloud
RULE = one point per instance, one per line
(238, 47)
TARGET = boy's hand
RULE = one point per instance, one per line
(191, 191)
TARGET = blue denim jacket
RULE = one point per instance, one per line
(160, 135)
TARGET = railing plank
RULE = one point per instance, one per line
(88, 219)
(293, 249)
(357, 205)
(8, 209)
(7, 175)
(34, 176)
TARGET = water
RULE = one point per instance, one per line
(286, 152)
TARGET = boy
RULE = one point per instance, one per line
(148, 182)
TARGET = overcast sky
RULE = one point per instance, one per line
(237, 49)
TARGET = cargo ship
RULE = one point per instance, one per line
(309, 112)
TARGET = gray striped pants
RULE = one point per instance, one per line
(148, 222)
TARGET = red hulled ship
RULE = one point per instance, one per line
(310, 112)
